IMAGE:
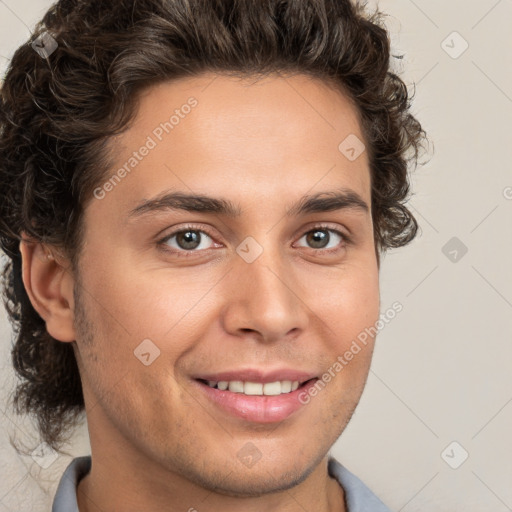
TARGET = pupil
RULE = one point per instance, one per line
(318, 237)
(188, 239)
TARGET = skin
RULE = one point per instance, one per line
(157, 442)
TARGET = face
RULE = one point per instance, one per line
(266, 283)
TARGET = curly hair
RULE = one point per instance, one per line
(59, 113)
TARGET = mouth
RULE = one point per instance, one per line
(248, 388)
(255, 401)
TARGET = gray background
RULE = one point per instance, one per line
(442, 368)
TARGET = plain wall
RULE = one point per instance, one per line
(442, 367)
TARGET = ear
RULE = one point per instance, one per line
(49, 284)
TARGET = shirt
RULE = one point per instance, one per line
(358, 498)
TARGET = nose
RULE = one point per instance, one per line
(264, 300)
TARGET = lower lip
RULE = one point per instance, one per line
(258, 409)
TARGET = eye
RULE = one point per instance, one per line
(325, 239)
(188, 239)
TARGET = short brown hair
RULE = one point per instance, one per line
(57, 115)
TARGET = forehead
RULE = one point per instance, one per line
(255, 138)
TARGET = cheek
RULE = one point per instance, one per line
(114, 372)
(130, 320)
(127, 308)
(348, 302)
(349, 308)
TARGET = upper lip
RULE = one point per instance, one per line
(257, 375)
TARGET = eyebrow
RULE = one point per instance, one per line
(342, 199)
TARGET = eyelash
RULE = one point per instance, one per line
(182, 253)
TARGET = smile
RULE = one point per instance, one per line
(256, 388)
(256, 402)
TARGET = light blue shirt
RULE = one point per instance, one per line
(358, 497)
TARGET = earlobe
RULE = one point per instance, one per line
(48, 281)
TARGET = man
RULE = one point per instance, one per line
(195, 197)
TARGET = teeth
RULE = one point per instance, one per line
(236, 386)
(253, 388)
(272, 388)
(256, 388)
(286, 386)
